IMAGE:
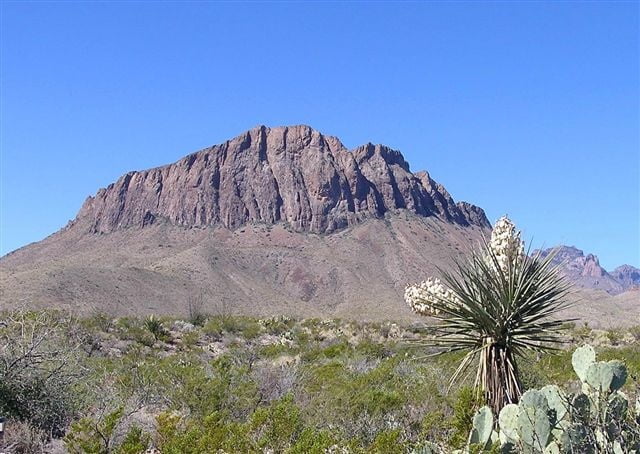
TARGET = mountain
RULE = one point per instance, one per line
(293, 175)
(627, 275)
(586, 272)
(275, 221)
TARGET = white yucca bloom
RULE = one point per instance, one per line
(496, 304)
(422, 297)
(506, 244)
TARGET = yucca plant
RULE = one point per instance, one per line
(155, 327)
(495, 305)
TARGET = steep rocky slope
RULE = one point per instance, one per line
(585, 271)
(293, 175)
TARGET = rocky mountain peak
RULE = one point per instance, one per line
(381, 153)
(585, 269)
(289, 174)
(628, 275)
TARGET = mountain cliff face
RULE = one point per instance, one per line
(586, 271)
(291, 175)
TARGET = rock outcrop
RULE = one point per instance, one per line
(292, 175)
(628, 276)
(586, 271)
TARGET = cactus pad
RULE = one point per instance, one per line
(582, 358)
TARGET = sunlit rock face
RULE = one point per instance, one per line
(292, 175)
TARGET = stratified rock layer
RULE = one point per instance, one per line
(293, 175)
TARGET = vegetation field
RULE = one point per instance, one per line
(232, 384)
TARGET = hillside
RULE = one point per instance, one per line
(275, 221)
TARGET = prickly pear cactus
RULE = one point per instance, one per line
(619, 374)
(482, 428)
(579, 439)
(533, 420)
(581, 407)
(615, 415)
(557, 401)
(547, 421)
(600, 376)
(582, 358)
(508, 422)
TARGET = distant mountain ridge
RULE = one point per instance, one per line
(291, 174)
(586, 271)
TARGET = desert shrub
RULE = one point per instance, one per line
(213, 327)
(130, 329)
(136, 441)
(435, 426)
(154, 326)
(465, 406)
(336, 349)
(277, 426)
(388, 442)
(250, 329)
(275, 382)
(22, 438)
(40, 365)
(122, 324)
(98, 321)
(553, 367)
(584, 332)
(277, 325)
(301, 336)
(242, 326)
(615, 336)
(371, 349)
(313, 441)
(195, 309)
(190, 339)
(188, 384)
(530, 373)
(312, 354)
(214, 433)
(142, 337)
(275, 350)
(635, 332)
(93, 436)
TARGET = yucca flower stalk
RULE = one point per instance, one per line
(495, 305)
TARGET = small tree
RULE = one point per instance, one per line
(497, 304)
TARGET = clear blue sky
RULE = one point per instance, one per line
(530, 109)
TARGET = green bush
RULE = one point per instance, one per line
(155, 327)
(312, 441)
(135, 442)
(92, 436)
(465, 406)
(388, 442)
(277, 426)
(212, 434)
